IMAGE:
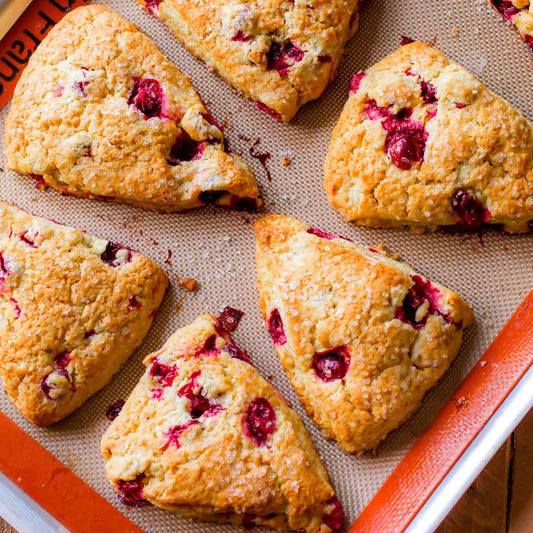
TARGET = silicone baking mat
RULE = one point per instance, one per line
(493, 272)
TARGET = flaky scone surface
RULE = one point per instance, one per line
(100, 112)
(280, 53)
(520, 13)
(361, 336)
(205, 436)
(72, 310)
(421, 142)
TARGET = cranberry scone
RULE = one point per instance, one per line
(205, 436)
(72, 310)
(361, 336)
(422, 143)
(99, 112)
(280, 53)
(520, 13)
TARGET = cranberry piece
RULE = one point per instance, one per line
(229, 319)
(185, 149)
(39, 180)
(374, 112)
(210, 197)
(355, 82)
(269, 110)
(325, 235)
(209, 347)
(243, 203)
(174, 433)
(428, 92)
(110, 254)
(58, 90)
(152, 5)
(5, 272)
(260, 421)
(248, 521)
(114, 410)
(460, 105)
(88, 334)
(241, 37)
(419, 293)
(28, 239)
(133, 303)
(47, 387)
(405, 40)
(62, 359)
(275, 328)
(279, 53)
(335, 518)
(471, 212)
(148, 97)
(506, 8)
(325, 58)
(131, 492)
(81, 87)
(18, 311)
(161, 373)
(157, 394)
(199, 403)
(529, 39)
(237, 353)
(332, 364)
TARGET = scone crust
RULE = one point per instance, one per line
(69, 320)
(331, 293)
(216, 472)
(475, 142)
(235, 38)
(73, 123)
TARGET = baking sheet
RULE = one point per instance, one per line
(216, 247)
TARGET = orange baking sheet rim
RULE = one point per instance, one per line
(81, 509)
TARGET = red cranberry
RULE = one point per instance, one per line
(148, 97)
(132, 492)
(355, 83)
(174, 433)
(335, 518)
(39, 180)
(210, 197)
(243, 203)
(133, 303)
(114, 410)
(109, 255)
(529, 39)
(275, 328)
(161, 373)
(269, 110)
(209, 347)
(260, 421)
(241, 37)
(157, 394)
(332, 364)
(47, 387)
(325, 235)
(471, 212)
(88, 334)
(460, 105)
(5, 272)
(62, 359)
(237, 353)
(29, 239)
(374, 112)
(185, 149)
(506, 8)
(427, 90)
(405, 40)
(278, 54)
(152, 5)
(81, 87)
(420, 292)
(199, 403)
(18, 311)
(325, 58)
(229, 319)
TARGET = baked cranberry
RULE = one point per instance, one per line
(114, 410)
(405, 40)
(331, 365)
(148, 97)
(62, 359)
(275, 328)
(174, 433)
(241, 37)
(355, 82)
(325, 235)
(39, 180)
(278, 54)
(210, 197)
(47, 385)
(185, 149)
(269, 110)
(237, 353)
(419, 293)
(460, 105)
(199, 404)
(471, 212)
(5, 272)
(209, 347)
(152, 5)
(81, 87)
(529, 39)
(29, 238)
(131, 492)
(115, 254)
(58, 90)
(506, 8)
(229, 319)
(260, 421)
(374, 112)
(18, 311)
(133, 303)
(88, 334)
(335, 518)
(243, 203)
(325, 58)
(427, 90)
(161, 373)
(157, 394)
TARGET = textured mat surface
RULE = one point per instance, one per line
(216, 247)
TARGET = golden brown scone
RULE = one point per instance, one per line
(361, 336)
(520, 13)
(99, 112)
(205, 436)
(422, 143)
(280, 53)
(72, 310)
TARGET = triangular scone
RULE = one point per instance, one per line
(520, 13)
(205, 436)
(99, 112)
(361, 336)
(421, 142)
(72, 310)
(280, 53)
